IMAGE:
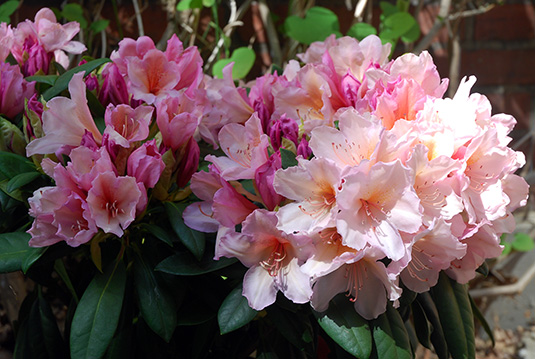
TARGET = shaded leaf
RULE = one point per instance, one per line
(288, 158)
(44, 79)
(234, 312)
(12, 165)
(15, 251)
(437, 334)
(482, 320)
(192, 239)
(20, 180)
(157, 232)
(183, 264)
(97, 314)
(157, 305)
(390, 336)
(421, 325)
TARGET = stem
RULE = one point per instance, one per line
(138, 18)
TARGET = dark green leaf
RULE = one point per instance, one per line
(99, 25)
(483, 269)
(183, 263)
(388, 9)
(317, 25)
(390, 336)
(522, 242)
(482, 320)
(192, 239)
(32, 257)
(55, 346)
(360, 30)
(346, 327)
(12, 164)
(157, 305)
(234, 312)
(60, 269)
(63, 81)
(30, 340)
(437, 335)
(292, 326)
(288, 158)
(455, 316)
(7, 9)
(44, 79)
(157, 232)
(97, 314)
(20, 180)
(14, 251)
(421, 325)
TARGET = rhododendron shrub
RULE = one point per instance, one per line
(340, 203)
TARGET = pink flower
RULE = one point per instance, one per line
(112, 202)
(146, 164)
(273, 258)
(43, 203)
(366, 281)
(13, 90)
(264, 178)
(376, 205)
(313, 185)
(153, 77)
(126, 125)
(189, 163)
(113, 89)
(65, 121)
(6, 40)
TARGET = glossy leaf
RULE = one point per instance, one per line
(192, 239)
(97, 314)
(437, 334)
(157, 305)
(243, 59)
(421, 325)
(44, 79)
(390, 336)
(346, 327)
(317, 25)
(481, 318)
(455, 317)
(20, 180)
(234, 312)
(12, 165)
(54, 344)
(182, 263)
(157, 232)
(62, 82)
(14, 252)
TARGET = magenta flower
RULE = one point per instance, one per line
(14, 89)
(146, 164)
(126, 125)
(6, 41)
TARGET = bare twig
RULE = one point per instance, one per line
(258, 26)
(359, 10)
(139, 19)
(272, 35)
(515, 288)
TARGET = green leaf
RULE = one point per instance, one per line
(456, 317)
(288, 158)
(390, 336)
(293, 327)
(346, 327)
(317, 25)
(437, 334)
(30, 340)
(21, 179)
(7, 9)
(12, 165)
(62, 82)
(482, 320)
(74, 12)
(54, 344)
(14, 251)
(32, 257)
(43, 79)
(399, 24)
(507, 248)
(189, 4)
(183, 263)
(243, 59)
(421, 325)
(192, 239)
(522, 242)
(157, 232)
(360, 30)
(99, 25)
(412, 34)
(483, 269)
(234, 312)
(388, 9)
(157, 305)
(97, 314)
(208, 3)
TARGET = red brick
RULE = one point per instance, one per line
(493, 67)
(506, 23)
(517, 104)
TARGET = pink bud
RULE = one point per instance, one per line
(189, 163)
(303, 148)
(146, 164)
(113, 88)
(264, 176)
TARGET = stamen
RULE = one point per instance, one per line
(274, 263)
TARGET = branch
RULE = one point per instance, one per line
(515, 288)
(138, 18)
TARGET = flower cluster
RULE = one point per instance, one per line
(351, 173)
